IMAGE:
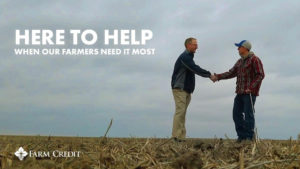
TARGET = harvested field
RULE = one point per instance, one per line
(147, 153)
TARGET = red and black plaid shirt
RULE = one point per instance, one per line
(249, 73)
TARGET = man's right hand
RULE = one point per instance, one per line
(213, 77)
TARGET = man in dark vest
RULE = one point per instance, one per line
(183, 84)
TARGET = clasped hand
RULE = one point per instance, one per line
(213, 77)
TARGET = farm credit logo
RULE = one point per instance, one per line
(21, 154)
(83, 42)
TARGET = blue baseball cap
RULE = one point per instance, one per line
(244, 43)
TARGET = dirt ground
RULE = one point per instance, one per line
(146, 153)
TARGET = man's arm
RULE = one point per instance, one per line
(230, 74)
(190, 64)
(259, 72)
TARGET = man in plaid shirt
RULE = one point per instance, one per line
(250, 73)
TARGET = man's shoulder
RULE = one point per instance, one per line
(255, 58)
(239, 60)
(185, 54)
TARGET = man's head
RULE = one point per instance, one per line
(191, 44)
(243, 47)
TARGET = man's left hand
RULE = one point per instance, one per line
(248, 91)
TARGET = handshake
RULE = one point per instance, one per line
(213, 77)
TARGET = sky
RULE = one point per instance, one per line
(79, 95)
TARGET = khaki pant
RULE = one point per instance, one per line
(182, 100)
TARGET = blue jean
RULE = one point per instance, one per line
(243, 116)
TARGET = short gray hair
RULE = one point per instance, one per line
(189, 40)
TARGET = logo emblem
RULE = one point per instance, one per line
(21, 153)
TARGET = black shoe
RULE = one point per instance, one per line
(239, 140)
(178, 140)
(249, 139)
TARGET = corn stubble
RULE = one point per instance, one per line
(151, 153)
